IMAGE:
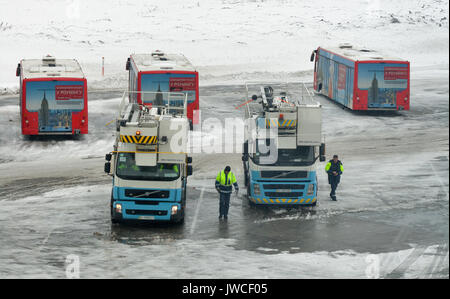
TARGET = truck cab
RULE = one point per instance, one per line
(283, 144)
(149, 164)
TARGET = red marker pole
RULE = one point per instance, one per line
(103, 66)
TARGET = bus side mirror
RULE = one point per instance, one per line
(254, 97)
(189, 160)
(18, 70)
(127, 66)
(107, 167)
(189, 170)
(313, 54)
(244, 158)
(108, 157)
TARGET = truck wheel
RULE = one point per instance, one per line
(180, 220)
(250, 202)
(113, 220)
(246, 180)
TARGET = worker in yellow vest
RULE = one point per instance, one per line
(334, 168)
(225, 181)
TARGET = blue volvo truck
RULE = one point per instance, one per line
(149, 163)
(283, 145)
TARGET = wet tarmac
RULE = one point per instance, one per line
(392, 203)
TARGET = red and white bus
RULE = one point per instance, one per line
(159, 75)
(53, 97)
(362, 79)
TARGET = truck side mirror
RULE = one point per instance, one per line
(127, 66)
(107, 167)
(322, 150)
(108, 157)
(245, 152)
(189, 160)
(189, 170)
(254, 97)
(313, 54)
(18, 70)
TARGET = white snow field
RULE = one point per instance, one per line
(229, 40)
(391, 220)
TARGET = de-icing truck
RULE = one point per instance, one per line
(149, 163)
(283, 143)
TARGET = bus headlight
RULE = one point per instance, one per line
(174, 210)
(310, 189)
(256, 189)
(119, 208)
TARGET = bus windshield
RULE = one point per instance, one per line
(127, 169)
(301, 156)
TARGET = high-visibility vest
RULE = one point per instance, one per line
(339, 163)
(230, 179)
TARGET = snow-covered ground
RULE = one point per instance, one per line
(391, 219)
(228, 40)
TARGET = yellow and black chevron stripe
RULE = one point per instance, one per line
(139, 139)
(283, 200)
(287, 123)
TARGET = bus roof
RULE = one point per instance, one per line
(360, 54)
(50, 67)
(160, 61)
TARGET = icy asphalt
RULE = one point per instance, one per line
(392, 209)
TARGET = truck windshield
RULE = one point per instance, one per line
(301, 156)
(127, 169)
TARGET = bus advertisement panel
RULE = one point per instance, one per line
(59, 105)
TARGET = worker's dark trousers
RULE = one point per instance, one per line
(224, 204)
(334, 182)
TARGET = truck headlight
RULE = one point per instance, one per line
(174, 210)
(310, 189)
(119, 208)
(256, 189)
